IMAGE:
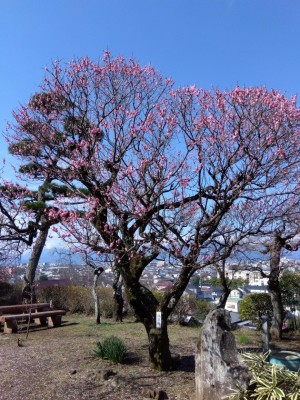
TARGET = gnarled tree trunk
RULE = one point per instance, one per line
(225, 286)
(117, 295)
(146, 305)
(159, 347)
(274, 287)
(97, 273)
(34, 259)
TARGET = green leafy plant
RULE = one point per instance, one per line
(112, 348)
(254, 306)
(268, 381)
(290, 288)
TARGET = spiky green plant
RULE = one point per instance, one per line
(268, 381)
(112, 348)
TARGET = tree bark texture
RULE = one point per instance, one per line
(274, 287)
(145, 306)
(224, 298)
(35, 256)
(117, 295)
(96, 297)
(34, 259)
(225, 287)
(159, 348)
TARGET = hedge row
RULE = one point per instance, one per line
(74, 299)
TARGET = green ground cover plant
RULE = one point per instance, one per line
(113, 349)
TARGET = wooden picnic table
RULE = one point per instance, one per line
(25, 307)
(52, 317)
(39, 313)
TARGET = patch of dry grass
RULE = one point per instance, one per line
(59, 363)
(254, 338)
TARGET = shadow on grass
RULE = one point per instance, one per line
(132, 359)
(67, 323)
(37, 328)
(101, 325)
(185, 364)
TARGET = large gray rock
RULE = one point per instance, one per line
(218, 364)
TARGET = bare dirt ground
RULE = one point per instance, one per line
(59, 363)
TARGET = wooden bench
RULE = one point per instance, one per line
(19, 308)
(10, 321)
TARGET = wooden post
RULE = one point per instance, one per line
(54, 320)
(10, 326)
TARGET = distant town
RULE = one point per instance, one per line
(158, 275)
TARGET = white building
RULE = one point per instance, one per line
(236, 295)
(251, 274)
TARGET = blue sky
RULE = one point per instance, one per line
(208, 42)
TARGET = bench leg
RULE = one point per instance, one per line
(54, 320)
(10, 326)
(40, 321)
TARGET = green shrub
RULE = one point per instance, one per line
(255, 305)
(16, 294)
(5, 292)
(290, 288)
(268, 381)
(75, 299)
(112, 348)
(58, 294)
(79, 299)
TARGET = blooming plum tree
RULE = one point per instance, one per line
(108, 128)
(244, 160)
(161, 167)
